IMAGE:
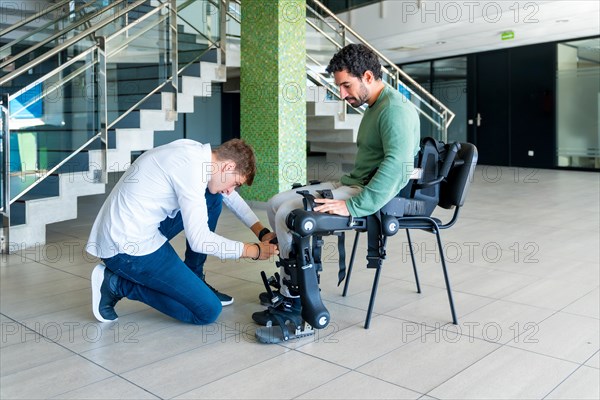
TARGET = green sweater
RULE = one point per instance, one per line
(388, 139)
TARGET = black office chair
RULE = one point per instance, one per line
(452, 193)
(447, 171)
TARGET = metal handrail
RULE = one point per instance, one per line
(445, 110)
(33, 17)
(77, 58)
(179, 17)
(76, 151)
(238, 17)
(102, 132)
(338, 46)
(322, 32)
(40, 59)
(49, 39)
(161, 18)
(138, 21)
(40, 29)
(53, 88)
(5, 184)
(445, 113)
(56, 167)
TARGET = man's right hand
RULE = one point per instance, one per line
(260, 251)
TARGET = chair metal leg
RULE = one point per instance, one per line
(374, 290)
(372, 300)
(450, 299)
(349, 272)
(412, 256)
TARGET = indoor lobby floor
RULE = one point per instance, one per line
(524, 265)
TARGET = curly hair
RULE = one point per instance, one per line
(356, 59)
(242, 154)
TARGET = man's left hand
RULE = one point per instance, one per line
(332, 206)
(268, 237)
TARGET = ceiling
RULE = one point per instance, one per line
(409, 31)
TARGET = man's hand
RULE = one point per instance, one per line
(332, 206)
(260, 251)
(267, 250)
(268, 237)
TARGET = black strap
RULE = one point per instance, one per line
(275, 314)
(342, 259)
(317, 245)
(308, 200)
(326, 193)
(375, 249)
(262, 233)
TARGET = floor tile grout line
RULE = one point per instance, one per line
(52, 312)
(464, 369)
(563, 381)
(503, 345)
(546, 355)
(102, 380)
(57, 269)
(286, 350)
(392, 383)
(75, 354)
(321, 385)
(589, 358)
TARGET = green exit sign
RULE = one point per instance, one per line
(508, 35)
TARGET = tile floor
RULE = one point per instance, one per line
(524, 264)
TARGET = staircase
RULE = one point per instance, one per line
(141, 100)
(329, 130)
(332, 124)
(132, 73)
(333, 128)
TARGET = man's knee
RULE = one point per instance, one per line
(208, 313)
(277, 200)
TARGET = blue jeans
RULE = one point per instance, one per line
(163, 281)
(171, 227)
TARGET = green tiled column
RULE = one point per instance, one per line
(272, 88)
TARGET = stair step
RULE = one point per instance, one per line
(17, 213)
(329, 135)
(128, 83)
(131, 120)
(333, 122)
(333, 147)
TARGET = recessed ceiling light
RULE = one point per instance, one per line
(562, 20)
(404, 48)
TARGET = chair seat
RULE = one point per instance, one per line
(417, 222)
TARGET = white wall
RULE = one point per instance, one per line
(407, 30)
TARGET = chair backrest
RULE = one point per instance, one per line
(429, 162)
(453, 190)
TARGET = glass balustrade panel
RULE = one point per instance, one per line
(50, 119)
(38, 42)
(323, 40)
(3, 157)
(198, 30)
(138, 63)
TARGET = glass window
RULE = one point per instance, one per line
(577, 103)
(446, 79)
(449, 85)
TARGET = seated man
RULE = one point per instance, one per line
(388, 139)
(161, 194)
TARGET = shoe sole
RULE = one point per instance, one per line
(227, 303)
(274, 334)
(97, 279)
